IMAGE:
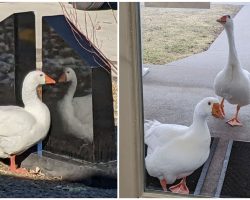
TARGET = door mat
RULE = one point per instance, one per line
(236, 181)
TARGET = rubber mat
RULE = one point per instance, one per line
(237, 177)
(194, 181)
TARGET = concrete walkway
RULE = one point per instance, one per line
(172, 91)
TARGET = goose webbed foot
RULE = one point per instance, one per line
(13, 167)
(180, 188)
(234, 122)
(20, 171)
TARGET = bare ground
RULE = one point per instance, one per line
(37, 185)
(172, 34)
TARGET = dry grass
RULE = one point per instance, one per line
(171, 34)
(34, 175)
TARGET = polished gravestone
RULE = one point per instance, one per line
(84, 100)
(66, 153)
(70, 105)
(17, 55)
(92, 103)
(17, 59)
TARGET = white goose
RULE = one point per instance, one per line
(175, 151)
(233, 82)
(76, 112)
(21, 128)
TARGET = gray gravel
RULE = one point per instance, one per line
(15, 187)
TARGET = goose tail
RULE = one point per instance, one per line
(149, 126)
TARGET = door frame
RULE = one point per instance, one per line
(131, 139)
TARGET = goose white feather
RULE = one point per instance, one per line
(21, 128)
(233, 82)
(175, 151)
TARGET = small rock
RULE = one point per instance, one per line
(37, 170)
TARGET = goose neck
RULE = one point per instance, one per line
(34, 105)
(29, 95)
(72, 88)
(233, 57)
(199, 121)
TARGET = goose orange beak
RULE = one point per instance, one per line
(216, 111)
(62, 78)
(49, 80)
(222, 20)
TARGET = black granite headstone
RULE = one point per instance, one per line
(17, 55)
(17, 58)
(92, 104)
(7, 62)
(25, 49)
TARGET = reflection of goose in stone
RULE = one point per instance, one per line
(76, 112)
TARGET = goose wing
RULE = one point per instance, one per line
(157, 134)
(15, 121)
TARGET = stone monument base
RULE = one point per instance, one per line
(94, 174)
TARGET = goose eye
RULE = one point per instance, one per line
(68, 72)
(41, 75)
(229, 16)
(209, 103)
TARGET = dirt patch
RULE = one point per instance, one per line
(172, 34)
